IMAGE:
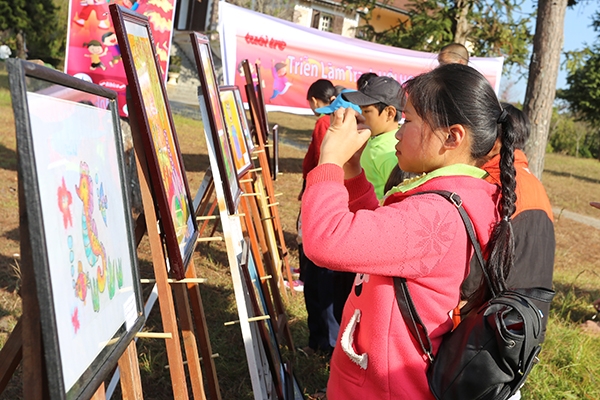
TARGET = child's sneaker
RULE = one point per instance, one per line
(296, 273)
(297, 285)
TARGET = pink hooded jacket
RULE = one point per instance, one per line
(421, 238)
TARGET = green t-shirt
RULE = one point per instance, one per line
(378, 159)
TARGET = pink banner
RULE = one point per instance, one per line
(292, 57)
(93, 53)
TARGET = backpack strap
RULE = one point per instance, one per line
(403, 297)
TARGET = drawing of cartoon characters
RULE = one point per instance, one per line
(280, 80)
(109, 39)
(96, 50)
(99, 7)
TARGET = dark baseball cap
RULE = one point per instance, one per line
(379, 89)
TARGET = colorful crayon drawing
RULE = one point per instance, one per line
(102, 202)
(162, 138)
(93, 247)
(82, 283)
(75, 320)
(65, 199)
(91, 264)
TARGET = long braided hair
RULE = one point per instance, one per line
(458, 94)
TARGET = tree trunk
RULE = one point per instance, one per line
(21, 50)
(461, 25)
(543, 74)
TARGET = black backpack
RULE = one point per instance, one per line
(491, 352)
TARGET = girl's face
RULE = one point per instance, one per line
(419, 149)
(315, 103)
(95, 49)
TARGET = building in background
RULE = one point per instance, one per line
(324, 15)
(327, 16)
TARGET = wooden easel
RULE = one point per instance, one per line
(273, 212)
(205, 204)
(169, 319)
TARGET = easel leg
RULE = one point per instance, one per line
(165, 294)
(189, 339)
(11, 355)
(100, 393)
(202, 330)
(131, 381)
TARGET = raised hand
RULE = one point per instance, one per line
(344, 141)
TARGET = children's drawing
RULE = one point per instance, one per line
(237, 139)
(162, 146)
(75, 320)
(102, 202)
(70, 145)
(93, 247)
(215, 124)
(82, 283)
(65, 199)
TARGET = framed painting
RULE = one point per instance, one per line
(235, 130)
(210, 98)
(258, 307)
(285, 382)
(157, 131)
(71, 168)
(243, 118)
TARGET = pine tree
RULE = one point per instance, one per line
(32, 29)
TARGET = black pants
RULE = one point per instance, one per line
(318, 298)
(342, 286)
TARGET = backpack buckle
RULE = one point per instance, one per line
(456, 200)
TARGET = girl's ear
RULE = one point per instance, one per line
(456, 134)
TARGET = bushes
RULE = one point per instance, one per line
(574, 138)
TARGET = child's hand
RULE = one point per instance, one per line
(344, 138)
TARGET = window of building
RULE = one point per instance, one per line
(322, 21)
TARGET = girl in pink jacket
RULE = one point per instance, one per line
(452, 119)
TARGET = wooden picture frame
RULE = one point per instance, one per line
(262, 104)
(209, 91)
(165, 163)
(235, 130)
(252, 96)
(259, 308)
(80, 228)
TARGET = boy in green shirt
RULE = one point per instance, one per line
(380, 99)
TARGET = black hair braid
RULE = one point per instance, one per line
(502, 253)
(501, 243)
